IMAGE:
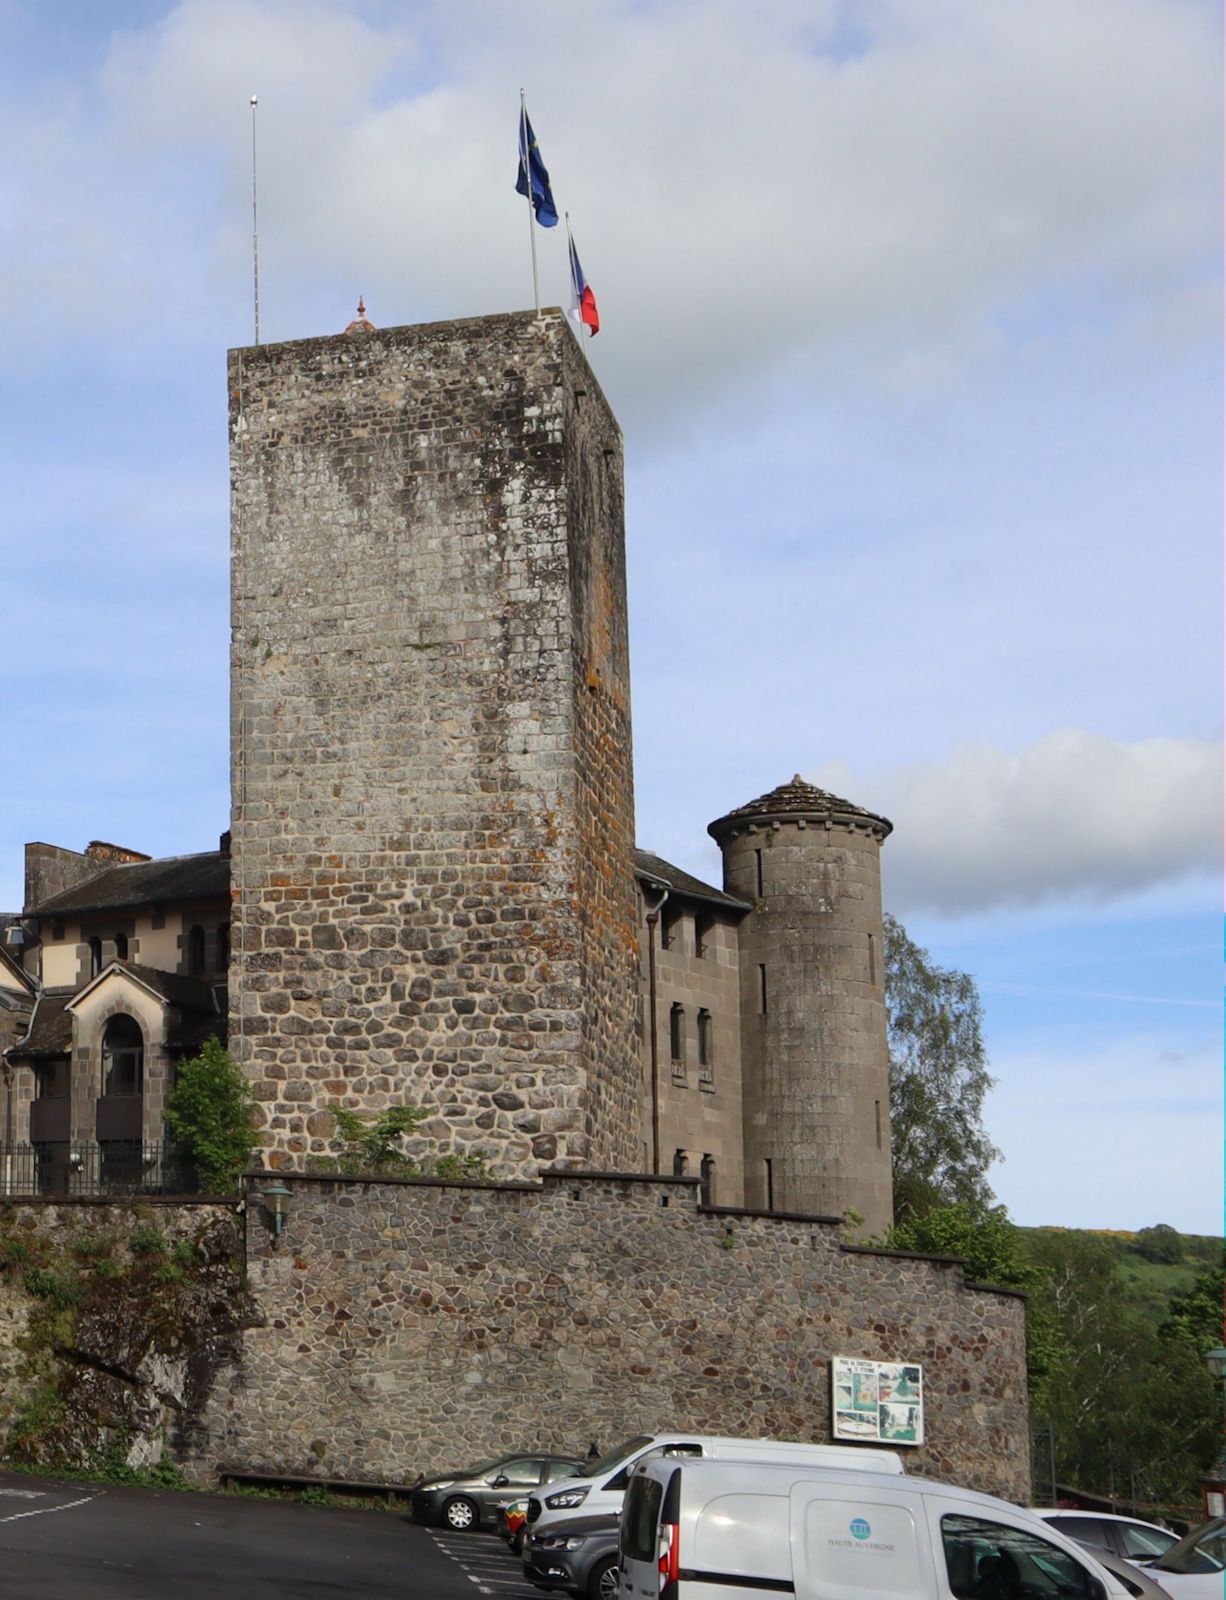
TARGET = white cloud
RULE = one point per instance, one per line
(1075, 816)
(751, 185)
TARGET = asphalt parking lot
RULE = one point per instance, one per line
(65, 1541)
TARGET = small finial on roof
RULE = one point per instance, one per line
(359, 323)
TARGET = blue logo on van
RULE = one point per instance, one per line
(860, 1529)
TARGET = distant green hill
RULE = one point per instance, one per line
(1150, 1282)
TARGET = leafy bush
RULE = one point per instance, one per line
(208, 1113)
(57, 1289)
(372, 1148)
(146, 1240)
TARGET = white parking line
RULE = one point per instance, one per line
(23, 1494)
(44, 1511)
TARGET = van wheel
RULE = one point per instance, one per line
(460, 1514)
(602, 1584)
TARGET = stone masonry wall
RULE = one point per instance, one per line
(413, 1326)
(431, 754)
(606, 894)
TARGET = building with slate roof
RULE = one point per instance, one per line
(125, 959)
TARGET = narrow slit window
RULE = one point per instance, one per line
(758, 862)
(877, 1119)
(872, 959)
(676, 1034)
(706, 1043)
(762, 988)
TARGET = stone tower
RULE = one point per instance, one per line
(816, 1092)
(432, 796)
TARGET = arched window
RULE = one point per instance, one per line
(123, 1058)
(706, 1181)
(681, 1163)
(95, 956)
(223, 948)
(195, 950)
(676, 1035)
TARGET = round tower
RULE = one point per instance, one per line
(816, 1083)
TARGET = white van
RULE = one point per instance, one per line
(729, 1530)
(601, 1486)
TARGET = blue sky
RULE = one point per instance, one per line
(911, 318)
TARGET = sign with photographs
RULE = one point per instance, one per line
(877, 1402)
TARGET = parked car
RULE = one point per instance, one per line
(473, 1497)
(1193, 1568)
(1124, 1536)
(599, 1486)
(579, 1557)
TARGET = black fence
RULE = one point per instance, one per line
(116, 1168)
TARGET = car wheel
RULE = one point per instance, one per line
(602, 1582)
(460, 1514)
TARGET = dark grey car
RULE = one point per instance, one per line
(473, 1497)
(578, 1556)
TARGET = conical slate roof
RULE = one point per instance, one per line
(799, 801)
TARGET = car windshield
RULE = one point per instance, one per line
(593, 1469)
(1202, 1550)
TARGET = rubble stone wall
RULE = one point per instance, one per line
(413, 1326)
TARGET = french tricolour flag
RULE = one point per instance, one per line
(583, 303)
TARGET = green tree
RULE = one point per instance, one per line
(1161, 1243)
(208, 1115)
(1132, 1412)
(1196, 1314)
(938, 1079)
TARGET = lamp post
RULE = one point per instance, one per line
(1213, 1484)
(276, 1198)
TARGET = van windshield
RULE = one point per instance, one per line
(640, 1519)
(615, 1457)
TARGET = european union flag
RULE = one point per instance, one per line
(531, 166)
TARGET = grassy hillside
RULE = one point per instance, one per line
(1151, 1283)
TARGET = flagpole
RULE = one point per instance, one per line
(255, 224)
(525, 159)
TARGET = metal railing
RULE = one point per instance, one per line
(93, 1171)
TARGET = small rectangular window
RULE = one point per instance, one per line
(758, 864)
